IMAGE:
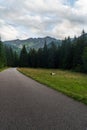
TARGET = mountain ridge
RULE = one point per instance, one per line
(35, 43)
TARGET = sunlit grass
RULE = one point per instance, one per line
(70, 83)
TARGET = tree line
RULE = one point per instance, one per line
(71, 55)
(7, 56)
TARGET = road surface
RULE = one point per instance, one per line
(28, 105)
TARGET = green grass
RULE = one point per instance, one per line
(1, 69)
(70, 83)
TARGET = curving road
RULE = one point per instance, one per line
(28, 105)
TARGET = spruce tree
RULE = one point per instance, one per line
(23, 60)
(2, 55)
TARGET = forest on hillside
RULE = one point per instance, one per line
(70, 55)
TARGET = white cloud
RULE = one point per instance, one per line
(30, 18)
(8, 32)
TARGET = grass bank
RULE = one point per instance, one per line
(70, 83)
(1, 69)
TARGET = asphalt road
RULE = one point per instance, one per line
(28, 105)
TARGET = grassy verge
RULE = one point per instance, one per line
(1, 69)
(70, 83)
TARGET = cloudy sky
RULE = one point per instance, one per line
(21, 19)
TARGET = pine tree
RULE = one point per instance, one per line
(32, 58)
(2, 55)
(15, 59)
(84, 58)
(40, 57)
(23, 60)
(79, 46)
(45, 56)
(52, 55)
(9, 56)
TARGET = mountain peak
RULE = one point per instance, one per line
(31, 42)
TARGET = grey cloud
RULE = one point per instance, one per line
(40, 18)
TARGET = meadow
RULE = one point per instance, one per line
(72, 84)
